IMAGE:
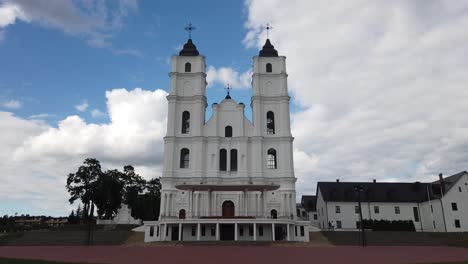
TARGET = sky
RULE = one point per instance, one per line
(378, 87)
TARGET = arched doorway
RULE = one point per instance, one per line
(228, 209)
(274, 214)
(182, 214)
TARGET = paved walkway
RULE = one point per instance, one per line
(236, 255)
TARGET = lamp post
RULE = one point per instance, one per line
(359, 189)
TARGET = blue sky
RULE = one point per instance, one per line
(378, 87)
(52, 71)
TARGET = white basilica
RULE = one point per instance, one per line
(228, 178)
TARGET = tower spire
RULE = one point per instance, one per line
(228, 96)
(189, 28)
(189, 48)
(268, 28)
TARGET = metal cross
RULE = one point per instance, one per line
(268, 28)
(228, 88)
(189, 29)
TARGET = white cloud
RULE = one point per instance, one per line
(12, 104)
(94, 20)
(227, 75)
(40, 116)
(82, 107)
(381, 85)
(96, 113)
(35, 153)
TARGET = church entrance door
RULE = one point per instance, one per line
(227, 231)
(174, 233)
(228, 209)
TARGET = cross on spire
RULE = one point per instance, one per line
(189, 29)
(228, 89)
(268, 28)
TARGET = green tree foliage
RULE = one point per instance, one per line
(146, 206)
(108, 193)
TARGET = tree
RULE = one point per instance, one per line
(82, 184)
(108, 193)
(72, 218)
(146, 206)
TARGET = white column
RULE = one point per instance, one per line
(169, 207)
(159, 232)
(255, 231)
(241, 207)
(217, 231)
(246, 203)
(209, 203)
(198, 231)
(273, 231)
(180, 231)
(235, 232)
(162, 204)
(164, 234)
(264, 203)
(287, 230)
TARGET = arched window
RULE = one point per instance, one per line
(270, 122)
(222, 160)
(271, 159)
(233, 159)
(268, 67)
(184, 158)
(274, 214)
(228, 131)
(185, 122)
(182, 214)
(188, 67)
(228, 209)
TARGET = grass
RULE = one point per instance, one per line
(30, 261)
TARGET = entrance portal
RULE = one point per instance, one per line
(228, 209)
(227, 231)
(174, 233)
(279, 233)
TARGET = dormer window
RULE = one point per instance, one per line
(269, 68)
(188, 67)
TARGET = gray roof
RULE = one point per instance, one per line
(397, 192)
(309, 202)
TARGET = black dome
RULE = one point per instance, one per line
(189, 49)
(268, 50)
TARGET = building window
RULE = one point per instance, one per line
(416, 214)
(298, 212)
(194, 230)
(185, 122)
(274, 214)
(376, 210)
(457, 223)
(358, 224)
(250, 230)
(203, 230)
(338, 224)
(303, 214)
(433, 224)
(315, 216)
(241, 231)
(302, 231)
(182, 214)
(260, 230)
(213, 231)
(184, 158)
(459, 189)
(356, 209)
(271, 159)
(157, 231)
(151, 231)
(233, 159)
(270, 122)
(188, 67)
(337, 209)
(228, 131)
(269, 68)
(295, 230)
(167, 231)
(222, 160)
(397, 209)
(454, 207)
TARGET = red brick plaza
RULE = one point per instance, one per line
(239, 254)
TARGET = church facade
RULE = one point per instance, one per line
(228, 178)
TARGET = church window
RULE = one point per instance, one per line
(269, 68)
(203, 230)
(184, 158)
(260, 230)
(397, 209)
(222, 160)
(274, 214)
(182, 214)
(270, 122)
(228, 131)
(151, 231)
(185, 122)
(271, 159)
(241, 231)
(233, 159)
(302, 231)
(250, 230)
(295, 230)
(193, 230)
(188, 67)
(213, 231)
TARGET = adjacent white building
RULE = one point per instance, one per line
(228, 178)
(440, 206)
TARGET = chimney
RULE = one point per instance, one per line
(337, 180)
(374, 180)
(442, 184)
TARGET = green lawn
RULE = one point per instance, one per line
(25, 261)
